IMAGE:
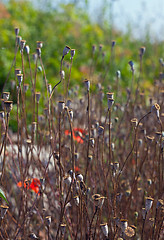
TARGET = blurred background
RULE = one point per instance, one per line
(80, 24)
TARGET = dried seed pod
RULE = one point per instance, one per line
(27, 49)
(80, 177)
(129, 232)
(61, 106)
(110, 95)
(66, 50)
(48, 220)
(20, 78)
(123, 224)
(87, 84)
(155, 109)
(26, 86)
(104, 229)
(8, 105)
(16, 31)
(134, 122)
(3, 210)
(38, 52)
(5, 95)
(22, 44)
(148, 203)
(68, 180)
(62, 228)
(100, 130)
(110, 103)
(72, 53)
(77, 200)
(37, 96)
(39, 44)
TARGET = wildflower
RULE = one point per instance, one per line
(77, 169)
(33, 184)
(78, 134)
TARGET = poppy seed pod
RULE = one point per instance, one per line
(27, 49)
(22, 44)
(148, 203)
(48, 220)
(26, 86)
(72, 53)
(77, 200)
(160, 203)
(8, 105)
(71, 114)
(32, 236)
(110, 103)
(39, 44)
(5, 95)
(18, 40)
(93, 49)
(87, 84)
(104, 229)
(68, 180)
(34, 55)
(61, 106)
(38, 52)
(92, 142)
(143, 213)
(155, 109)
(123, 224)
(17, 71)
(134, 122)
(142, 51)
(79, 177)
(131, 64)
(20, 78)
(100, 47)
(149, 139)
(16, 31)
(34, 124)
(110, 95)
(37, 95)
(66, 50)
(62, 228)
(62, 75)
(113, 43)
(90, 158)
(49, 88)
(118, 74)
(2, 115)
(100, 130)
(3, 210)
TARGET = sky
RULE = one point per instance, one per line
(141, 14)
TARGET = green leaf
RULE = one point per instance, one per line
(2, 195)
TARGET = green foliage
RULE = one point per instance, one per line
(2, 195)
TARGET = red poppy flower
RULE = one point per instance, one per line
(77, 169)
(78, 134)
(33, 184)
